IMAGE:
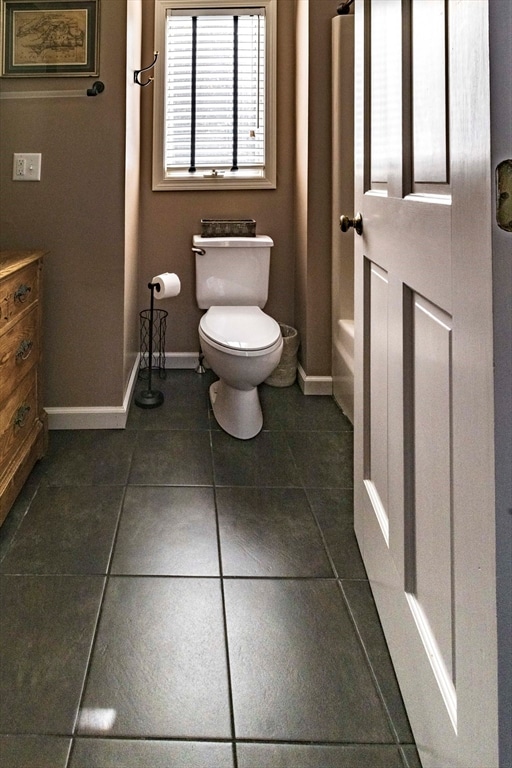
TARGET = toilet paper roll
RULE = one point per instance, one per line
(168, 285)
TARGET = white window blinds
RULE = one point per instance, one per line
(215, 90)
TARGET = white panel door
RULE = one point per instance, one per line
(342, 199)
(423, 366)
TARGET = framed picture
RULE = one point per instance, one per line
(50, 38)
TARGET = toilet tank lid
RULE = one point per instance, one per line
(260, 241)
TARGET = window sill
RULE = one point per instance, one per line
(209, 182)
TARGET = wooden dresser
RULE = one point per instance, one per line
(23, 422)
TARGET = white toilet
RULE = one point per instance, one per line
(241, 343)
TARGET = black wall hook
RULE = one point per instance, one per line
(145, 69)
(97, 87)
(344, 7)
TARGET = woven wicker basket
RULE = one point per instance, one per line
(286, 372)
(228, 228)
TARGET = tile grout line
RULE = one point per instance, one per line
(370, 666)
(74, 733)
(322, 536)
(224, 614)
(8, 542)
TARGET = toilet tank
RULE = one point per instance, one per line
(232, 271)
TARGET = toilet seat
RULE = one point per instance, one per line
(245, 331)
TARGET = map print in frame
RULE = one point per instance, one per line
(53, 38)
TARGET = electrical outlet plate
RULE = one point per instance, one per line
(26, 166)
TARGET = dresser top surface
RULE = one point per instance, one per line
(10, 261)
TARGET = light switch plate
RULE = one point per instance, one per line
(26, 166)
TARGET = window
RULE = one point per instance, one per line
(214, 103)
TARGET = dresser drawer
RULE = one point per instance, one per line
(18, 415)
(19, 351)
(17, 292)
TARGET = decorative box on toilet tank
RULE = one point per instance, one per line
(23, 422)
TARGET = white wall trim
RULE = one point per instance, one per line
(100, 417)
(314, 385)
(95, 417)
(183, 360)
(115, 416)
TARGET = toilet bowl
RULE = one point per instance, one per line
(243, 346)
(240, 342)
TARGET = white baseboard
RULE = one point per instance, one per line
(105, 417)
(183, 360)
(115, 416)
(313, 385)
(95, 417)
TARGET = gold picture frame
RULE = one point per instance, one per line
(50, 38)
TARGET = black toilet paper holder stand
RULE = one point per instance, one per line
(151, 398)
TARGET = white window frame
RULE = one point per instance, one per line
(162, 182)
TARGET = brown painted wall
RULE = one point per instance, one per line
(313, 187)
(76, 212)
(170, 219)
(132, 188)
(108, 236)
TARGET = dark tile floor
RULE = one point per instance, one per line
(171, 596)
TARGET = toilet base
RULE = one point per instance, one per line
(237, 411)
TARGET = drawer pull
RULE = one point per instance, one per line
(21, 415)
(24, 349)
(21, 293)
